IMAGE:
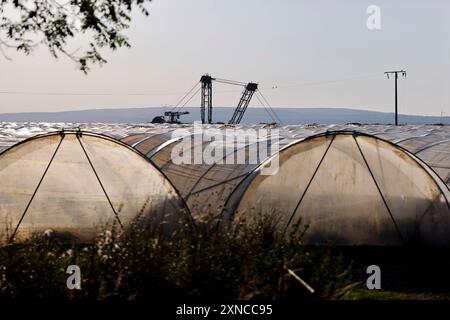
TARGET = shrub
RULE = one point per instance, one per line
(245, 261)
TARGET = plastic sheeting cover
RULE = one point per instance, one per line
(351, 190)
(70, 197)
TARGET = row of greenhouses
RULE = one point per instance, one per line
(349, 184)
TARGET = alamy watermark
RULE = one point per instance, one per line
(373, 21)
(206, 145)
(374, 280)
(74, 280)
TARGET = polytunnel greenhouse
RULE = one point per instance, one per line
(352, 185)
(349, 189)
(75, 183)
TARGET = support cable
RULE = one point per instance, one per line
(184, 96)
(232, 82)
(187, 101)
(98, 179)
(191, 191)
(268, 104)
(219, 183)
(309, 184)
(37, 188)
(379, 190)
(265, 108)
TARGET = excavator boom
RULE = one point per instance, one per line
(206, 98)
(246, 97)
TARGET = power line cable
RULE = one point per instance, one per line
(31, 93)
(307, 84)
(49, 93)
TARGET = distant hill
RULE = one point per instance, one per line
(253, 115)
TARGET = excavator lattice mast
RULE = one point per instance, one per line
(206, 98)
(246, 97)
(206, 80)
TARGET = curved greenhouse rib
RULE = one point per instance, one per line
(214, 165)
(217, 184)
(431, 145)
(155, 150)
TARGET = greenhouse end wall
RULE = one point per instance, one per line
(349, 189)
(77, 183)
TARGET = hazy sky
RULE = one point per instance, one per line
(276, 43)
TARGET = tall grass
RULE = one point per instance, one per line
(246, 261)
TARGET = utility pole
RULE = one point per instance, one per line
(395, 73)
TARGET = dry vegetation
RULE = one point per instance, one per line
(245, 262)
